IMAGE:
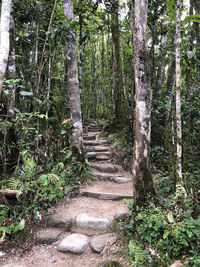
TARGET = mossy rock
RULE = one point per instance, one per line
(109, 264)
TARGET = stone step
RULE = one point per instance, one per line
(120, 178)
(99, 148)
(96, 143)
(89, 137)
(89, 222)
(96, 154)
(109, 191)
(48, 236)
(104, 167)
(103, 157)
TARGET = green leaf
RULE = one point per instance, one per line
(170, 217)
(192, 18)
(63, 131)
(43, 179)
(68, 155)
(166, 233)
(189, 233)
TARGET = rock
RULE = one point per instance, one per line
(102, 148)
(85, 221)
(60, 221)
(121, 180)
(98, 243)
(75, 243)
(48, 236)
(106, 167)
(176, 264)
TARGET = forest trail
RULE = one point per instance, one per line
(79, 232)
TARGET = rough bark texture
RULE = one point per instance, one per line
(116, 59)
(11, 68)
(142, 178)
(102, 72)
(178, 94)
(73, 85)
(5, 44)
(197, 33)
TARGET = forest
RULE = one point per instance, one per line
(126, 70)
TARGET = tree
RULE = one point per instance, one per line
(116, 59)
(4, 38)
(178, 95)
(11, 68)
(73, 84)
(142, 178)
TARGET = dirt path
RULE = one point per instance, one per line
(88, 218)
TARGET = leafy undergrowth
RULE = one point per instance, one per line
(38, 192)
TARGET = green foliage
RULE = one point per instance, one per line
(138, 255)
(163, 237)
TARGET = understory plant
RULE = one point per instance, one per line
(157, 238)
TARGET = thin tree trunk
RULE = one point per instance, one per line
(73, 84)
(42, 58)
(142, 178)
(11, 68)
(197, 33)
(4, 37)
(102, 73)
(178, 94)
(116, 59)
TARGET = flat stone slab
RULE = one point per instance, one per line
(103, 157)
(60, 221)
(109, 191)
(48, 236)
(98, 243)
(104, 167)
(75, 243)
(89, 137)
(121, 180)
(85, 221)
(101, 148)
(96, 143)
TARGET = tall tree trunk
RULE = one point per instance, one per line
(11, 69)
(142, 178)
(102, 72)
(116, 59)
(80, 43)
(197, 33)
(178, 94)
(73, 85)
(4, 38)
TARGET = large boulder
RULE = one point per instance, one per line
(75, 243)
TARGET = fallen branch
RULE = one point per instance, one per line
(9, 192)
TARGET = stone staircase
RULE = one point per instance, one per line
(84, 225)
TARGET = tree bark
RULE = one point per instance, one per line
(178, 95)
(11, 68)
(197, 33)
(102, 73)
(142, 178)
(73, 85)
(116, 59)
(4, 37)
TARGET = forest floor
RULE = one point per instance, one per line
(102, 201)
